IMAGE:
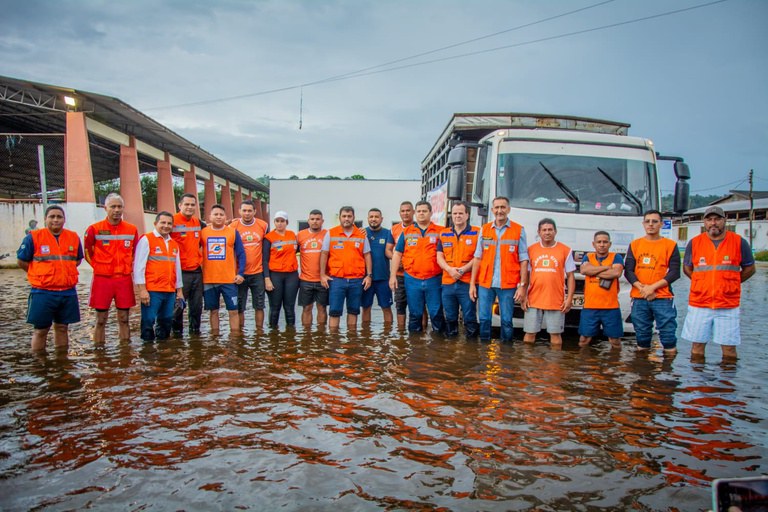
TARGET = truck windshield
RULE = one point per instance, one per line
(575, 183)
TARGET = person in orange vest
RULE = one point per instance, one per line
(186, 233)
(252, 231)
(50, 257)
(346, 268)
(551, 265)
(157, 274)
(401, 300)
(602, 270)
(456, 256)
(652, 264)
(500, 270)
(417, 249)
(109, 248)
(717, 262)
(280, 276)
(311, 291)
(223, 268)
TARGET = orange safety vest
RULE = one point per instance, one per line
(716, 278)
(509, 256)
(397, 230)
(596, 297)
(345, 253)
(547, 288)
(161, 264)
(110, 253)
(310, 247)
(54, 262)
(420, 251)
(219, 261)
(459, 250)
(251, 237)
(282, 253)
(651, 263)
(186, 232)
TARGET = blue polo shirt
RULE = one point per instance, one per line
(378, 242)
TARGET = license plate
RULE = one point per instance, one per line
(578, 301)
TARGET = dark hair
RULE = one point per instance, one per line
(191, 196)
(317, 212)
(653, 212)
(55, 207)
(346, 209)
(247, 202)
(163, 214)
(501, 198)
(374, 210)
(598, 233)
(407, 203)
(217, 205)
(547, 220)
(423, 203)
(467, 207)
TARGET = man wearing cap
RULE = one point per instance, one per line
(717, 262)
(652, 264)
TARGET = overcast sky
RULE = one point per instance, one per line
(693, 82)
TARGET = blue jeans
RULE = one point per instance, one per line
(485, 297)
(421, 292)
(340, 290)
(455, 295)
(664, 312)
(160, 312)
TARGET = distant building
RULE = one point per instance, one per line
(736, 209)
(298, 197)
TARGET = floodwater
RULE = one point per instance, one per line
(372, 420)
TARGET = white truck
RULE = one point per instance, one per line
(586, 174)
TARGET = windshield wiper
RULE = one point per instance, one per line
(621, 188)
(568, 192)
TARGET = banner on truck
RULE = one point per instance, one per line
(438, 198)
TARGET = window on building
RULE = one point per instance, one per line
(682, 233)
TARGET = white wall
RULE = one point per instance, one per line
(760, 227)
(298, 197)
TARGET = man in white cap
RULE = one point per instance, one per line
(717, 261)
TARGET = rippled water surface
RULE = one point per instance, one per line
(376, 419)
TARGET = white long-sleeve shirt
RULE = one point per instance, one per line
(140, 260)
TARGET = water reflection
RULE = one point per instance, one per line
(367, 420)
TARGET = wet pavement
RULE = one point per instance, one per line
(307, 420)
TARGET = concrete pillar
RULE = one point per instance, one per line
(165, 199)
(238, 201)
(78, 176)
(190, 185)
(130, 186)
(209, 197)
(226, 199)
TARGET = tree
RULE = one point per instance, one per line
(357, 177)
(293, 177)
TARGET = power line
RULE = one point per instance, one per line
(372, 70)
(738, 182)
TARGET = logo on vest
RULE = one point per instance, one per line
(46, 249)
(158, 250)
(128, 243)
(702, 261)
(217, 248)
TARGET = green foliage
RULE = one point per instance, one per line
(761, 256)
(357, 177)
(697, 201)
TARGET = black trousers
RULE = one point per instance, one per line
(193, 294)
(283, 296)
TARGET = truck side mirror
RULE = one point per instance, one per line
(457, 164)
(682, 195)
(682, 172)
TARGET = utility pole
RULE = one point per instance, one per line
(751, 206)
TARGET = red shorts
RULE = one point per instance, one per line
(104, 289)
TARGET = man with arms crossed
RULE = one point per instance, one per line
(311, 290)
(651, 266)
(157, 273)
(377, 239)
(456, 256)
(345, 268)
(602, 270)
(551, 264)
(50, 257)
(417, 249)
(223, 268)
(252, 231)
(186, 232)
(109, 248)
(717, 262)
(401, 300)
(500, 269)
